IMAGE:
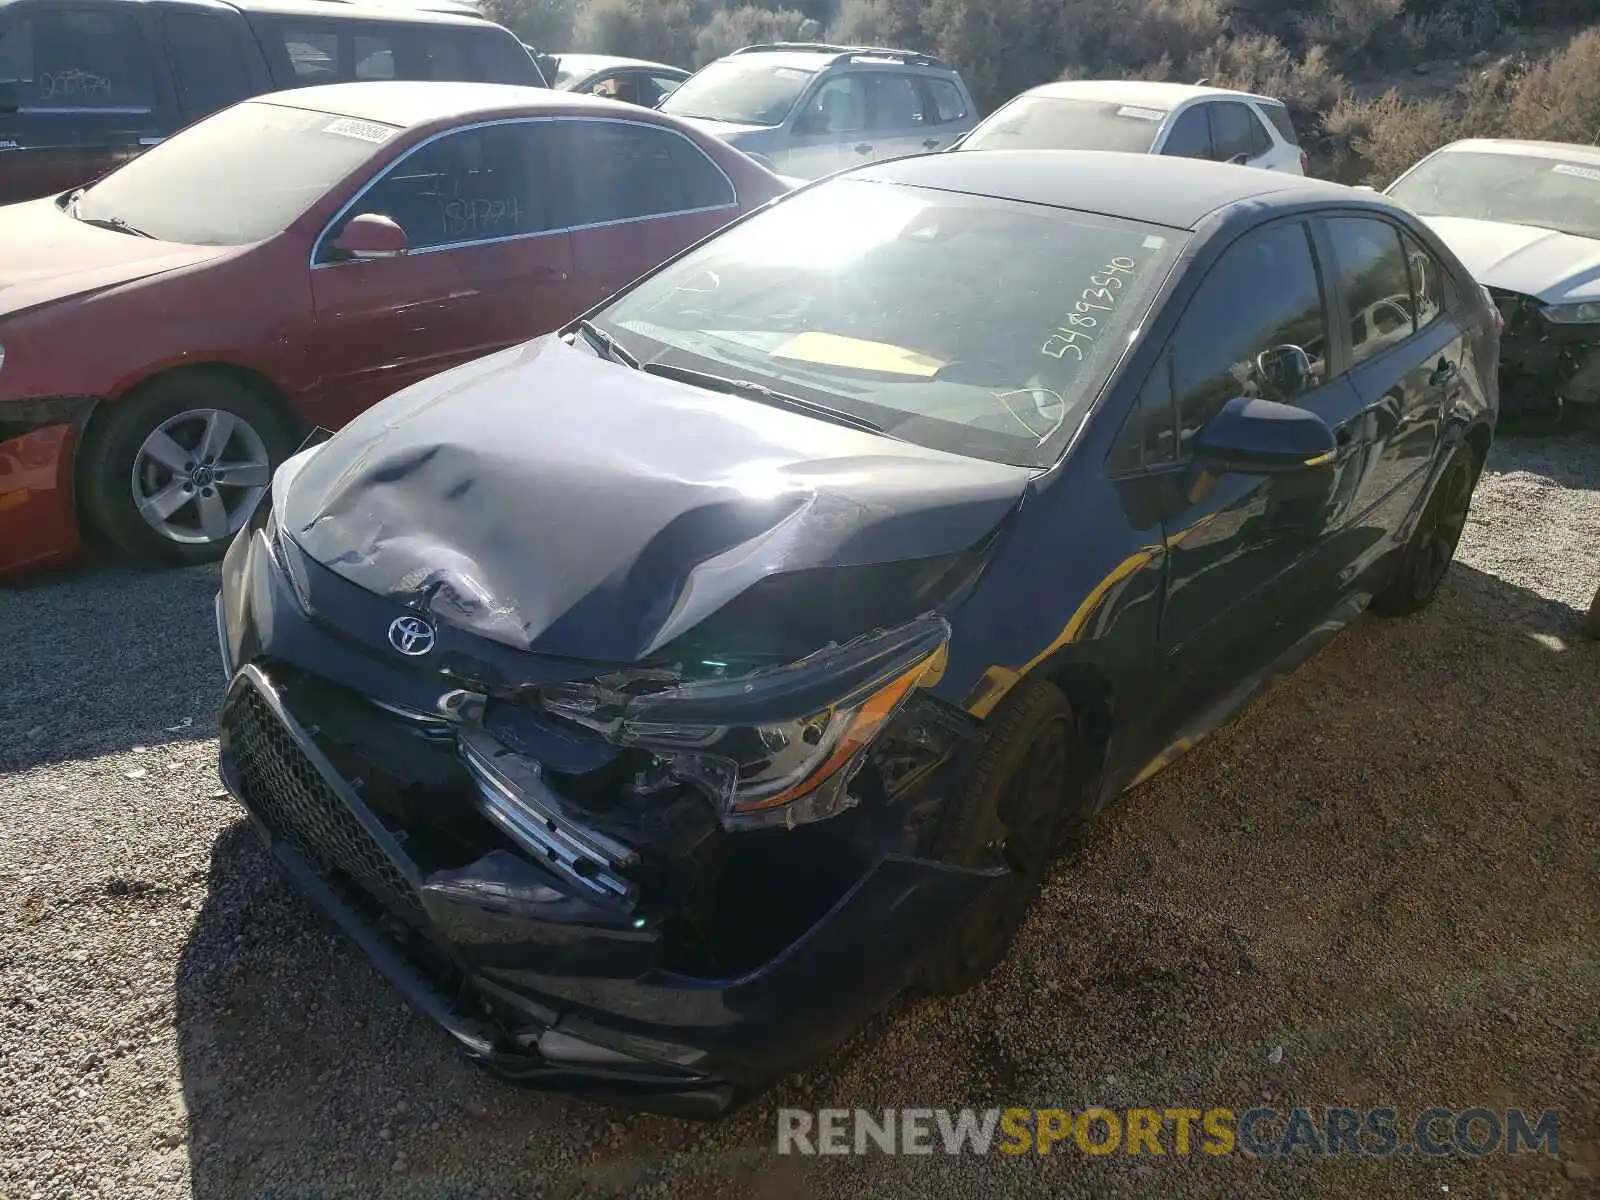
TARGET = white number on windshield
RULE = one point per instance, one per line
(1071, 336)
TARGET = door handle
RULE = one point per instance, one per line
(1443, 373)
(546, 275)
(929, 143)
(863, 148)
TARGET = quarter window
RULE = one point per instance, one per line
(946, 99)
(76, 60)
(1190, 136)
(1374, 282)
(621, 171)
(208, 63)
(477, 185)
(1263, 294)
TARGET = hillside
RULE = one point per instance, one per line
(1373, 83)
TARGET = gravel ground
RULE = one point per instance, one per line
(1389, 868)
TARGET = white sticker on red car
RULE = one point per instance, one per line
(365, 131)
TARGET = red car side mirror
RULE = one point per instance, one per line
(370, 235)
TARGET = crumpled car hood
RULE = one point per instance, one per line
(562, 504)
(1550, 266)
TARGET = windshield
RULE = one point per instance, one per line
(985, 327)
(742, 93)
(1520, 189)
(240, 176)
(1053, 123)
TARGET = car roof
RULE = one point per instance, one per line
(1528, 149)
(818, 56)
(408, 103)
(1140, 93)
(341, 10)
(603, 62)
(1157, 190)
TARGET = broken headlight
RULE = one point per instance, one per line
(772, 747)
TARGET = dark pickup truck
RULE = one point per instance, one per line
(87, 84)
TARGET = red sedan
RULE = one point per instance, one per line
(170, 333)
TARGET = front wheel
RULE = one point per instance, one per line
(177, 468)
(1017, 808)
(1427, 556)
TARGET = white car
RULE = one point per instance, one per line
(1176, 119)
(1524, 218)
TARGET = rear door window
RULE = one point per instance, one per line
(76, 60)
(1190, 135)
(623, 171)
(209, 66)
(1374, 281)
(1235, 132)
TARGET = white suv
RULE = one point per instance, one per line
(1182, 120)
(805, 109)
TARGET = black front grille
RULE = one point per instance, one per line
(287, 793)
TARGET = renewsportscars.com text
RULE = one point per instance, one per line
(1257, 1132)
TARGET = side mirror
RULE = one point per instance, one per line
(370, 235)
(1262, 437)
(1285, 369)
(956, 145)
(810, 123)
(1239, 160)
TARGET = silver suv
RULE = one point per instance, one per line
(805, 109)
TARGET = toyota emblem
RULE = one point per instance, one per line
(411, 635)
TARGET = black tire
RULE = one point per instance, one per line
(1018, 807)
(113, 448)
(1426, 559)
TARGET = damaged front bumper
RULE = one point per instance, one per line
(677, 970)
(38, 438)
(1544, 365)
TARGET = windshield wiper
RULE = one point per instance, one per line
(116, 223)
(762, 393)
(607, 345)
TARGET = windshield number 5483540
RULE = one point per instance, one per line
(1100, 296)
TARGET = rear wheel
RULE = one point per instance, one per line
(177, 467)
(1426, 559)
(1016, 810)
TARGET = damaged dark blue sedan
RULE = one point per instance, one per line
(655, 700)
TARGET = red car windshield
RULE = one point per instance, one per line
(238, 177)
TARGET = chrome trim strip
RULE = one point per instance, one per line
(583, 857)
(316, 245)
